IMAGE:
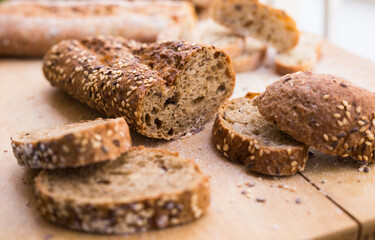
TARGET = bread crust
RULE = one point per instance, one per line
(257, 157)
(251, 59)
(115, 75)
(257, 23)
(102, 142)
(121, 216)
(325, 111)
(31, 28)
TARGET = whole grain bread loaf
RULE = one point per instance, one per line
(243, 135)
(325, 111)
(303, 57)
(164, 90)
(72, 145)
(142, 190)
(252, 57)
(30, 28)
(254, 19)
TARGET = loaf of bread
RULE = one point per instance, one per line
(243, 135)
(324, 111)
(72, 145)
(254, 19)
(142, 190)
(252, 57)
(164, 90)
(302, 57)
(31, 28)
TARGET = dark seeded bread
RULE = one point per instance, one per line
(324, 111)
(254, 19)
(163, 90)
(242, 134)
(302, 57)
(142, 190)
(30, 28)
(72, 145)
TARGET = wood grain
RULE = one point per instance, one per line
(28, 102)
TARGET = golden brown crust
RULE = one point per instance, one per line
(124, 217)
(279, 161)
(324, 111)
(116, 76)
(104, 141)
(31, 28)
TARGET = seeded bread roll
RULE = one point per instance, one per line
(164, 90)
(254, 19)
(324, 111)
(243, 135)
(30, 28)
(72, 145)
(302, 57)
(142, 190)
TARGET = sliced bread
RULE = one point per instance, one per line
(243, 135)
(302, 57)
(142, 190)
(72, 145)
(252, 56)
(327, 112)
(164, 90)
(254, 19)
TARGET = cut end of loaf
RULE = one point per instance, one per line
(142, 190)
(205, 81)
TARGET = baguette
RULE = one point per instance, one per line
(327, 112)
(254, 19)
(243, 135)
(164, 90)
(31, 28)
(142, 190)
(72, 145)
(302, 57)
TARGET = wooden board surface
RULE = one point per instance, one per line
(28, 102)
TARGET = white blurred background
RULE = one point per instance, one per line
(349, 24)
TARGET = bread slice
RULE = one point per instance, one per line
(72, 145)
(302, 57)
(212, 33)
(325, 111)
(164, 90)
(254, 19)
(142, 190)
(252, 56)
(243, 135)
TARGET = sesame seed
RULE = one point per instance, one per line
(361, 123)
(252, 158)
(347, 114)
(341, 107)
(336, 115)
(218, 147)
(226, 147)
(358, 109)
(345, 103)
(340, 123)
(294, 163)
(326, 96)
(289, 151)
(261, 153)
(359, 157)
(361, 141)
(325, 137)
(334, 138)
(362, 129)
(368, 143)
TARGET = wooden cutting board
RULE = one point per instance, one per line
(329, 200)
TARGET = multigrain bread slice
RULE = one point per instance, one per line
(252, 56)
(243, 135)
(142, 190)
(324, 111)
(302, 57)
(72, 145)
(254, 19)
(164, 90)
(30, 28)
